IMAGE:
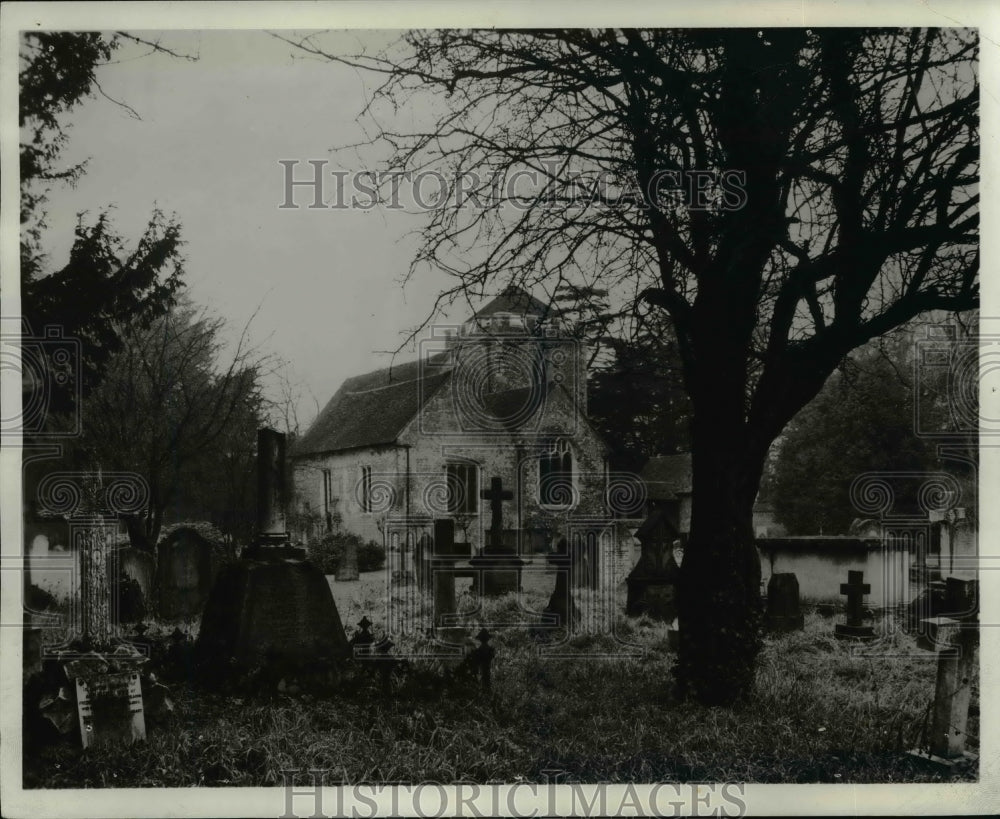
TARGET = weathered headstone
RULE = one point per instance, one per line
(110, 708)
(347, 569)
(499, 565)
(272, 606)
(134, 575)
(446, 553)
(854, 629)
(561, 602)
(956, 669)
(186, 568)
(784, 613)
(652, 582)
(941, 610)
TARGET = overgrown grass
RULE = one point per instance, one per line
(822, 711)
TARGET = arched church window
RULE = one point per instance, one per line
(555, 475)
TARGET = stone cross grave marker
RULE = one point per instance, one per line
(496, 495)
(499, 564)
(855, 590)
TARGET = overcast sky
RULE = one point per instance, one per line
(207, 148)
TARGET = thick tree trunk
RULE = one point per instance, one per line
(135, 525)
(719, 591)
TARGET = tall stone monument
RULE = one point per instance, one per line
(272, 605)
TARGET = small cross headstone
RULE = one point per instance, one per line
(854, 629)
(498, 562)
(496, 495)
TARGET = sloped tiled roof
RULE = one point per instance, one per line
(371, 409)
(667, 476)
(514, 300)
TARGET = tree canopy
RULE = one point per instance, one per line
(784, 195)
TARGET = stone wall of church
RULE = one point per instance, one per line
(346, 470)
(409, 487)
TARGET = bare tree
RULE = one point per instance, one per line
(784, 195)
(174, 409)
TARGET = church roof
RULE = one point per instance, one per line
(371, 409)
(514, 300)
(667, 476)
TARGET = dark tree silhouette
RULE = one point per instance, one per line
(784, 195)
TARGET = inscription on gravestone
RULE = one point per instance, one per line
(110, 708)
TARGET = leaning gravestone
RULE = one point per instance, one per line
(186, 568)
(784, 612)
(651, 584)
(108, 698)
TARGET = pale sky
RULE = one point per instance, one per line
(207, 148)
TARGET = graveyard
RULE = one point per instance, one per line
(451, 669)
(822, 712)
(647, 454)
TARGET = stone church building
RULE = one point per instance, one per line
(503, 395)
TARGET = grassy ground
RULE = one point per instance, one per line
(822, 711)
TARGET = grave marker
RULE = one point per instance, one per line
(108, 698)
(561, 602)
(956, 669)
(651, 583)
(272, 605)
(854, 629)
(783, 610)
(499, 565)
(441, 565)
(347, 569)
(186, 568)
